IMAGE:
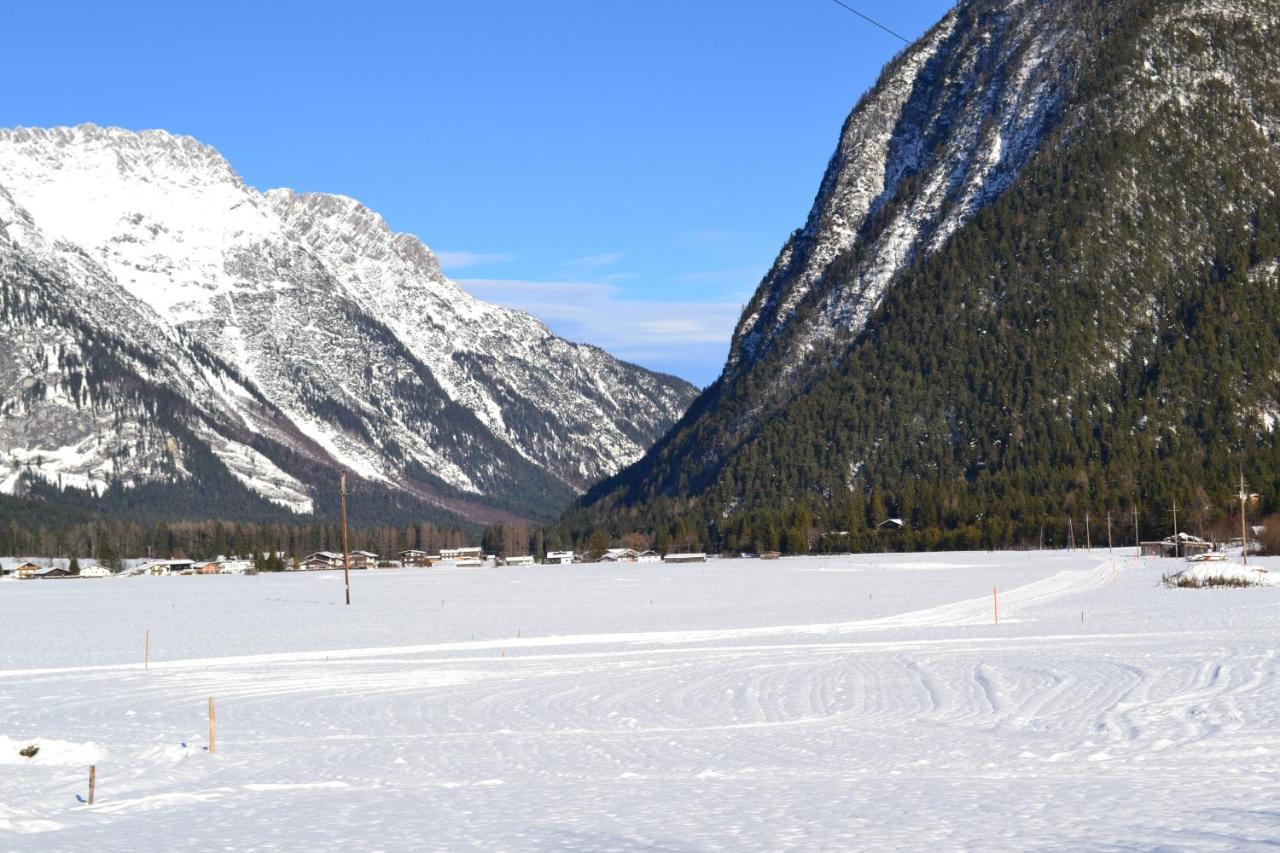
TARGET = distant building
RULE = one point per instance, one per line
(166, 567)
(52, 572)
(96, 571)
(18, 567)
(467, 553)
(333, 560)
(561, 558)
(414, 557)
(648, 557)
(685, 558)
(619, 555)
(1185, 545)
(891, 524)
(524, 560)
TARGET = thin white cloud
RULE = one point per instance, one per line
(465, 260)
(594, 262)
(688, 338)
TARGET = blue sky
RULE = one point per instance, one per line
(625, 171)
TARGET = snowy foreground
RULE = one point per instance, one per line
(842, 703)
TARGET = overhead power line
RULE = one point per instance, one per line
(871, 21)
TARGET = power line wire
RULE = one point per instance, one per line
(872, 21)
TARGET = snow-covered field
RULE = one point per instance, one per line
(842, 703)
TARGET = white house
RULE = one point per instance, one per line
(619, 555)
(685, 558)
(95, 571)
(648, 557)
(562, 558)
(461, 553)
(525, 560)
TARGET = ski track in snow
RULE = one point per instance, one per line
(723, 724)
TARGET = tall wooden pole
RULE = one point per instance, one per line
(93, 781)
(1088, 540)
(1137, 537)
(1244, 529)
(1071, 533)
(346, 563)
(1175, 530)
(1108, 531)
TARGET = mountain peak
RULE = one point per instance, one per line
(288, 335)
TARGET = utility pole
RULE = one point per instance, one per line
(1137, 537)
(1108, 531)
(1088, 541)
(1175, 530)
(1071, 533)
(1244, 528)
(346, 565)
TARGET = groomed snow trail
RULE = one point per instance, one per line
(1103, 712)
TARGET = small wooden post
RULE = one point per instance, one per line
(93, 780)
(146, 651)
(213, 727)
(995, 604)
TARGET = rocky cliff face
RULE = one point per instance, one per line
(1021, 289)
(292, 336)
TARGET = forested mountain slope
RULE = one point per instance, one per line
(1040, 278)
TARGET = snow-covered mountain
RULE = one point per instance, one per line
(167, 326)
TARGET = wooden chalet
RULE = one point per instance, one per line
(414, 557)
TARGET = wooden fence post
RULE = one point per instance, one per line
(93, 779)
(213, 727)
